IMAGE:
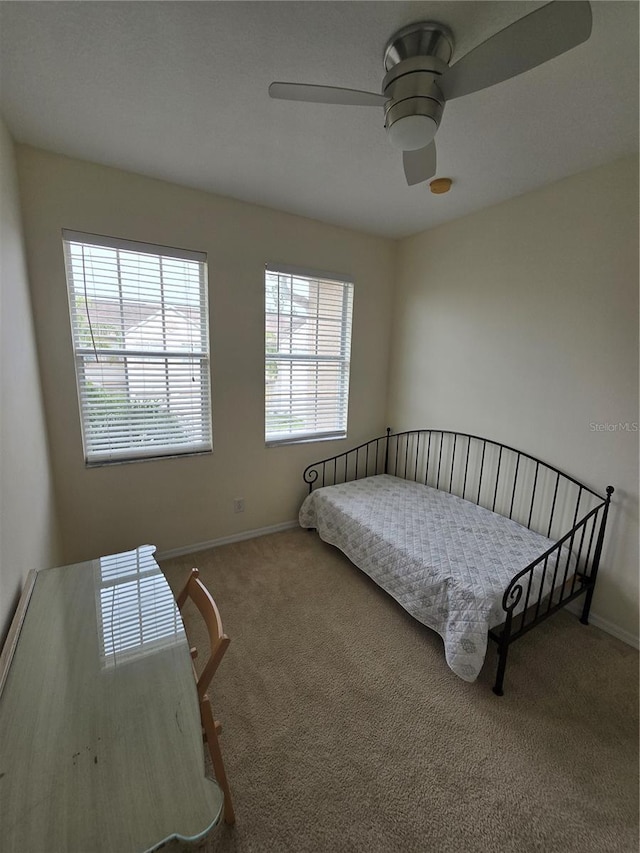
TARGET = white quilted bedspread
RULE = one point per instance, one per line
(444, 559)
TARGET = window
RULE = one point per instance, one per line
(139, 322)
(307, 352)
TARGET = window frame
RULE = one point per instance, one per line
(81, 353)
(346, 337)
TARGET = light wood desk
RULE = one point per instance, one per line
(100, 735)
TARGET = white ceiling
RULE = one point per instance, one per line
(178, 90)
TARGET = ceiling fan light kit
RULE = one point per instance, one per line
(409, 131)
(414, 59)
(419, 80)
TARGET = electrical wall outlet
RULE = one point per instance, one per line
(238, 505)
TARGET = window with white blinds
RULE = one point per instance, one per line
(307, 354)
(139, 321)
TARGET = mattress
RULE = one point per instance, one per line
(444, 559)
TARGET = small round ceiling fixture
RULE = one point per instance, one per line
(440, 185)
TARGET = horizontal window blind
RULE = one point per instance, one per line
(307, 355)
(139, 321)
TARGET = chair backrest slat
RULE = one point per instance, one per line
(218, 640)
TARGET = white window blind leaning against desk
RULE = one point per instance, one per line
(139, 321)
(308, 317)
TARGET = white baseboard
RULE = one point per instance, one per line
(226, 540)
(605, 625)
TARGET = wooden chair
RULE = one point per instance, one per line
(218, 642)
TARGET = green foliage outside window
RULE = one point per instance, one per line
(95, 334)
(271, 367)
(147, 420)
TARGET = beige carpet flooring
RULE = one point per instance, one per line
(344, 729)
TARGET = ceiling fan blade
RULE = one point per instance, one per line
(325, 95)
(419, 165)
(534, 39)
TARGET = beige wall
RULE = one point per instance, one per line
(520, 323)
(177, 502)
(27, 506)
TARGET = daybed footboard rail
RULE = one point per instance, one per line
(565, 571)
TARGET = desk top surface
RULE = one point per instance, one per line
(100, 736)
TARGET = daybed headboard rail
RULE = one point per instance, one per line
(496, 476)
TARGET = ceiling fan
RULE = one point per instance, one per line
(419, 81)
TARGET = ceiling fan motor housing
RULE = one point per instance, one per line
(414, 59)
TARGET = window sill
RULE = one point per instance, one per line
(105, 463)
(313, 439)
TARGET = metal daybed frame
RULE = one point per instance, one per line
(504, 480)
